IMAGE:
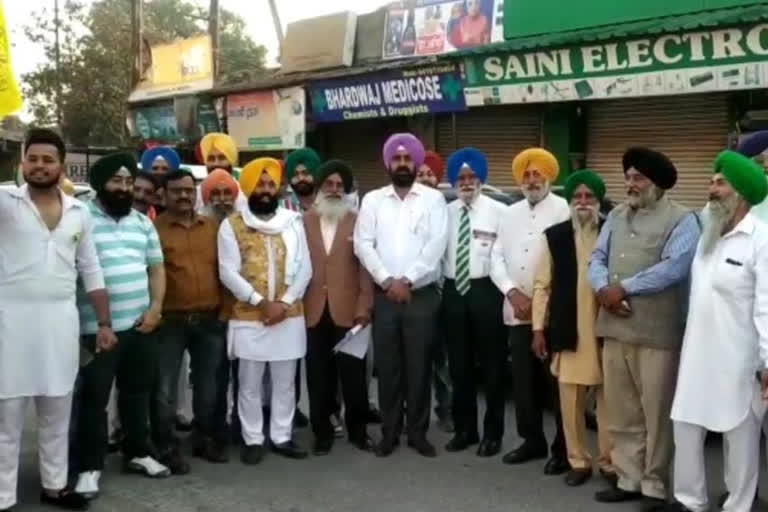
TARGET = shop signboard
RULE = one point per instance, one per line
(392, 93)
(267, 120)
(676, 63)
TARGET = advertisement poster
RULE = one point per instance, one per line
(430, 27)
(267, 120)
(401, 92)
(159, 122)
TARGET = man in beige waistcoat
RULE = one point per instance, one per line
(639, 270)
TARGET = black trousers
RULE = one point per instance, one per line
(324, 369)
(476, 339)
(404, 339)
(535, 388)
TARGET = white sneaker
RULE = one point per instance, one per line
(88, 484)
(147, 466)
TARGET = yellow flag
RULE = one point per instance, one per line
(10, 96)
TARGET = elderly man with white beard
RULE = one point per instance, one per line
(564, 316)
(515, 255)
(724, 360)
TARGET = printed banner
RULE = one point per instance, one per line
(687, 62)
(159, 122)
(267, 120)
(400, 92)
(430, 27)
(10, 95)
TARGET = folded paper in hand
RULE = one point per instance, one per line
(356, 342)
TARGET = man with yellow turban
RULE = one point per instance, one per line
(264, 261)
(514, 258)
(219, 151)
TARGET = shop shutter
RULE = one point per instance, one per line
(690, 129)
(501, 132)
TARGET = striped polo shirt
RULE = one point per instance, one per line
(126, 248)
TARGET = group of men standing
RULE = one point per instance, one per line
(239, 268)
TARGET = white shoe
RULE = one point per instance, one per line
(88, 484)
(147, 466)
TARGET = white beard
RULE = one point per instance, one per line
(720, 213)
(332, 210)
(647, 199)
(469, 197)
(536, 196)
(584, 222)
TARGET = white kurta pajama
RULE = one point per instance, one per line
(39, 329)
(257, 345)
(724, 349)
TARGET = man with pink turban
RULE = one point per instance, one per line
(400, 238)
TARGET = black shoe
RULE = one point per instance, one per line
(617, 495)
(300, 419)
(252, 455)
(610, 476)
(322, 447)
(461, 442)
(488, 448)
(387, 446)
(678, 507)
(175, 462)
(7, 510)
(524, 453)
(290, 450)
(556, 466)
(373, 416)
(211, 451)
(65, 499)
(364, 444)
(577, 477)
(423, 447)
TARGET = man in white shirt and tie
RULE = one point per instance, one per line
(516, 254)
(472, 306)
(400, 238)
(725, 349)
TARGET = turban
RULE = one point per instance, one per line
(109, 165)
(216, 178)
(655, 166)
(470, 157)
(168, 154)
(745, 176)
(544, 161)
(755, 144)
(67, 187)
(336, 167)
(407, 141)
(306, 157)
(251, 174)
(585, 177)
(223, 143)
(435, 164)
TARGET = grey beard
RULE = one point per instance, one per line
(720, 213)
(646, 200)
(332, 210)
(585, 224)
(537, 196)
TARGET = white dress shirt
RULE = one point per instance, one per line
(518, 249)
(485, 216)
(39, 267)
(328, 230)
(397, 238)
(726, 337)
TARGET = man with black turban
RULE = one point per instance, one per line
(639, 269)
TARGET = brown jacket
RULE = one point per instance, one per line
(338, 277)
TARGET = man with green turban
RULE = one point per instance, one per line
(301, 175)
(564, 312)
(726, 340)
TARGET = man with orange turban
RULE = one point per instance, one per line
(219, 191)
(514, 258)
(264, 261)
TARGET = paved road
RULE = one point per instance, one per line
(349, 481)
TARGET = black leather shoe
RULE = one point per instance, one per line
(423, 447)
(65, 499)
(461, 442)
(387, 446)
(577, 477)
(617, 495)
(658, 505)
(364, 444)
(488, 448)
(556, 466)
(676, 507)
(252, 455)
(322, 447)
(211, 451)
(290, 450)
(175, 462)
(524, 453)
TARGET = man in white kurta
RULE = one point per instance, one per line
(264, 262)
(725, 349)
(47, 245)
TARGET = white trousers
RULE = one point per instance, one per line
(741, 455)
(283, 401)
(53, 415)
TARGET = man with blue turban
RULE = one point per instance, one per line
(473, 305)
(756, 146)
(160, 160)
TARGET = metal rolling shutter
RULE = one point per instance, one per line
(359, 144)
(691, 130)
(501, 132)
